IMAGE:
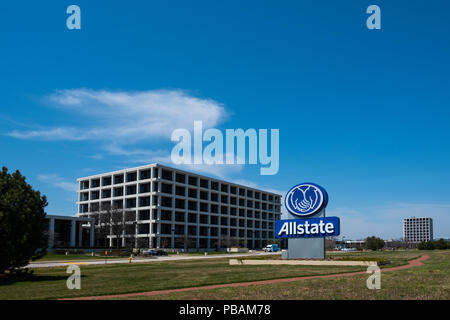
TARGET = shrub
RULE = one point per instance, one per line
(441, 244)
(374, 243)
(426, 245)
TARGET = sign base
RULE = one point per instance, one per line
(306, 248)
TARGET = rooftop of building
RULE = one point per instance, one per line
(152, 165)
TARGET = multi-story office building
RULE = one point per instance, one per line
(417, 229)
(163, 207)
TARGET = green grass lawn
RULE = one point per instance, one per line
(430, 281)
(70, 257)
(50, 283)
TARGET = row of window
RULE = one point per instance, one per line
(180, 178)
(116, 179)
(192, 217)
(130, 203)
(204, 195)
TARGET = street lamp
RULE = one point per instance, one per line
(173, 237)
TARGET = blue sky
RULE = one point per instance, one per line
(364, 113)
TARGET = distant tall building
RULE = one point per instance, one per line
(417, 229)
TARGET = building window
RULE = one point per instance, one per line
(95, 195)
(132, 176)
(95, 183)
(131, 189)
(84, 185)
(118, 179)
(204, 195)
(131, 203)
(192, 218)
(144, 215)
(145, 174)
(144, 187)
(179, 216)
(180, 178)
(166, 215)
(118, 204)
(192, 205)
(166, 202)
(166, 188)
(179, 203)
(106, 193)
(192, 193)
(203, 207)
(180, 191)
(166, 175)
(84, 196)
(204, 183)
(106, 181)
(192, 181)
(144, 201)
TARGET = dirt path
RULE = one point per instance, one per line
(413, 263)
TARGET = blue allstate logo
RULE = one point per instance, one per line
(306, 199)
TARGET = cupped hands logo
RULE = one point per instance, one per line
(306, 199)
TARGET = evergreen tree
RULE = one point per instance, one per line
(23, 231)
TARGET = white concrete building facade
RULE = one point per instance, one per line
(417, 229)
(172, 208)
(64, 231)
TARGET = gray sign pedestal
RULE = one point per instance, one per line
(307, 248)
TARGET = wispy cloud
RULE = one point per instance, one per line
(122, 122)
(126, 116)
(58, 182)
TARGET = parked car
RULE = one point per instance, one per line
(149, 252)
(153, 252)
(271, 248)
(161, 253)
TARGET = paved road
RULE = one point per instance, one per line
(144, 260)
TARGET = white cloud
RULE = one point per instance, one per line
(58, 182)
(127, 116)
(117, 121)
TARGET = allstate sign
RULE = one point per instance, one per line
(306, 199)
(307, 228)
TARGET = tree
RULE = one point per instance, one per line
(426, 245)
(330, 243)
(186, 241)
(441, 244)
(374, 243)
(226, 241)
(23, 227)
